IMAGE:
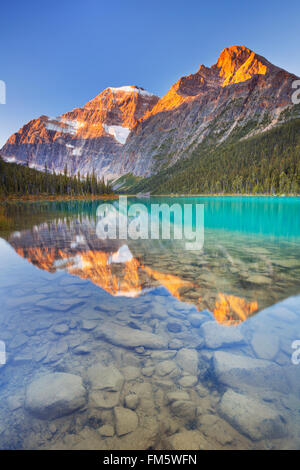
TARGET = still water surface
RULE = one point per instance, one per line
(151, 345)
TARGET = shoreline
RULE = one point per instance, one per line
(48, 198)
(211, 195)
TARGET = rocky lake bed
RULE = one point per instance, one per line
(86, 372)
(142, 344)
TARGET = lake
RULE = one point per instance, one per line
(144, 344)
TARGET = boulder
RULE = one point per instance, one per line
(55, 395)
(196, 319)
(18, 341)
(216, 429)
(126, 420)
(265, 346)
(106, 430)
(131, 401)
(244, 372)
(130, 338)
(175, 344)
(163, 355)
(61, 328)
(188, 440)
(104, 399)
(219, 336)
(131, 373)
(143, 438)
(106, 378)
(83, 349)
(165, 368)
(174, 327)
(184, 409)
(177, 396)
(188, 381)
(187, 359)
(252, 417)
(148, 371)
(88, 325)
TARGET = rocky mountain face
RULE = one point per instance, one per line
(128, 130)
(87, 138)
(242, 90)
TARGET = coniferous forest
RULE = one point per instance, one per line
(20, 180)
(268, 163)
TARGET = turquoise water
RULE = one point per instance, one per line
(223, 321)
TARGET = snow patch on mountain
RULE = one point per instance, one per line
(65, 126)
(120, 133)
(131, 89)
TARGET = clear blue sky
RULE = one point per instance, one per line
(57, 55)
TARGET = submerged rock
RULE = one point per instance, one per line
(55, 395)
(131, 372)
(259, 279)
(174, 327)
(18, 340)
(265, 346)
(188, 440)
(217, 336)
(15, 402)
(177, 396)
(165, 368)
(130, 338)
(243, 372)
(188, 381)
(131, 401)
(126, 420)
(253, 418)
(105, 378)
(104, 399)
(61, 329)
(83, 349)
(196, 319)
(106, 430)
(163, 355)
(184, 409)
(187, 359)
(55, 352)
(88, 325)
(175, 344)
(148, 371)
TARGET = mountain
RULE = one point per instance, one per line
(127, 131)
(241, 90)
(84, 139)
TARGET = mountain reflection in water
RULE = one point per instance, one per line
(76, 249)
(246, 264)
(120, 317)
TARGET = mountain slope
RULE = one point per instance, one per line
(268, 162)
(84, 139)
(128, 131)
(242, 90)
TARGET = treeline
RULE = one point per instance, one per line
(265, 164)
(21, 180)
